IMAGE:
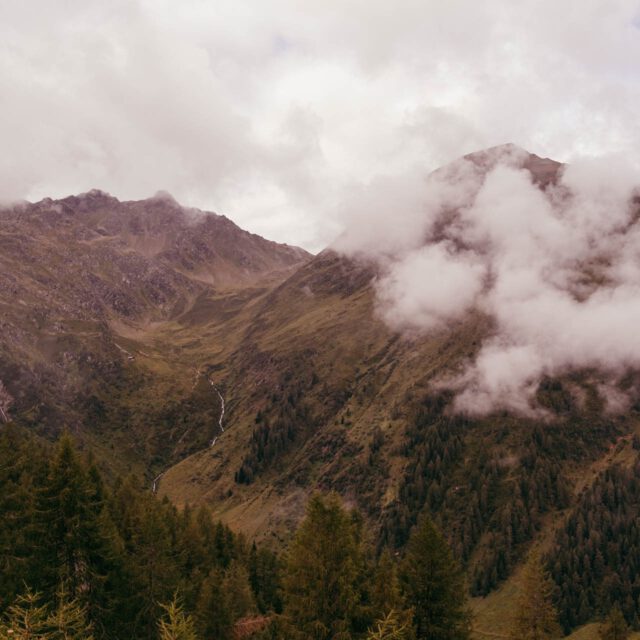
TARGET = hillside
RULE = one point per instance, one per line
(81, 279)
(135, 324)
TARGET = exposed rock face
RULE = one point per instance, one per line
(74, 272)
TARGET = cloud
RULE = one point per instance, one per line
(280, 113)
(554, 264)
(416, 292)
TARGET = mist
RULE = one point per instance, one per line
(551, 254)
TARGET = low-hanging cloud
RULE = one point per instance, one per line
(553, 260)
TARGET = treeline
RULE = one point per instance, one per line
(82, 561)
(70, 545)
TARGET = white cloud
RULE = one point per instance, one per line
(277, 112)
(429, 286)
(557, 269)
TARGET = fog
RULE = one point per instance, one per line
(556, 267)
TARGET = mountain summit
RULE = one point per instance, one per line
(225, 369)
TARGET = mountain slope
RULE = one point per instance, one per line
(321, 394)
(150, 329)
(87, 283)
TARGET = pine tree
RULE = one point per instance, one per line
(393, 626)
(434, 586)
(26, 619)
(264, 577)
(614, 626)
(175, 624)
(69, 619)
(236, 586)
(536, 617)
(386, 595)
(30, 619)
(69, 533)
(322, 569)
(212, 610)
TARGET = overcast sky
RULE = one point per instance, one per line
(282, 113)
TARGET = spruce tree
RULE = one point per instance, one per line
(236, 586)
(29, 618)
(213, 614)
(176, 624)
(69, 618)
(386, 595)
(26, 618)
(322, 569)
(434, 586)
(394, 625)
(69, 538)
(536, 617)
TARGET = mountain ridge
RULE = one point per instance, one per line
(133, 326)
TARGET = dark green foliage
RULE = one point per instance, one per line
(489, 483)
(434, 586)
(213, 612)
(614, 626)
(321, 597)
(115, 553)
(596, 558)
(278, 425)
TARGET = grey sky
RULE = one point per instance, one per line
(280, 113)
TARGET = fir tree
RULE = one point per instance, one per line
(31, 619)
(434, 586)
(213, 614)
(386, 595)
(176, 624)
(26, 619)
(69, 619)
(322, 569)
(236, 586)
(394, 625)
(69, 537)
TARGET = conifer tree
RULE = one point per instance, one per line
(386, 595)
(212, 610)
(69, 539)
(27, 618)
(176, 624)
(236, 586)
(322, 569)
(31, 619)
(614, 626)
(394, 625)
(536, 617)
(69, 618)
(434, 586)
(264, 576)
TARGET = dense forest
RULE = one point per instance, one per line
(83, 558)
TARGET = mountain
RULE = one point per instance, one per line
(246, 375)
(82, 278)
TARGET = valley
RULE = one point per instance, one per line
(233, 372)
